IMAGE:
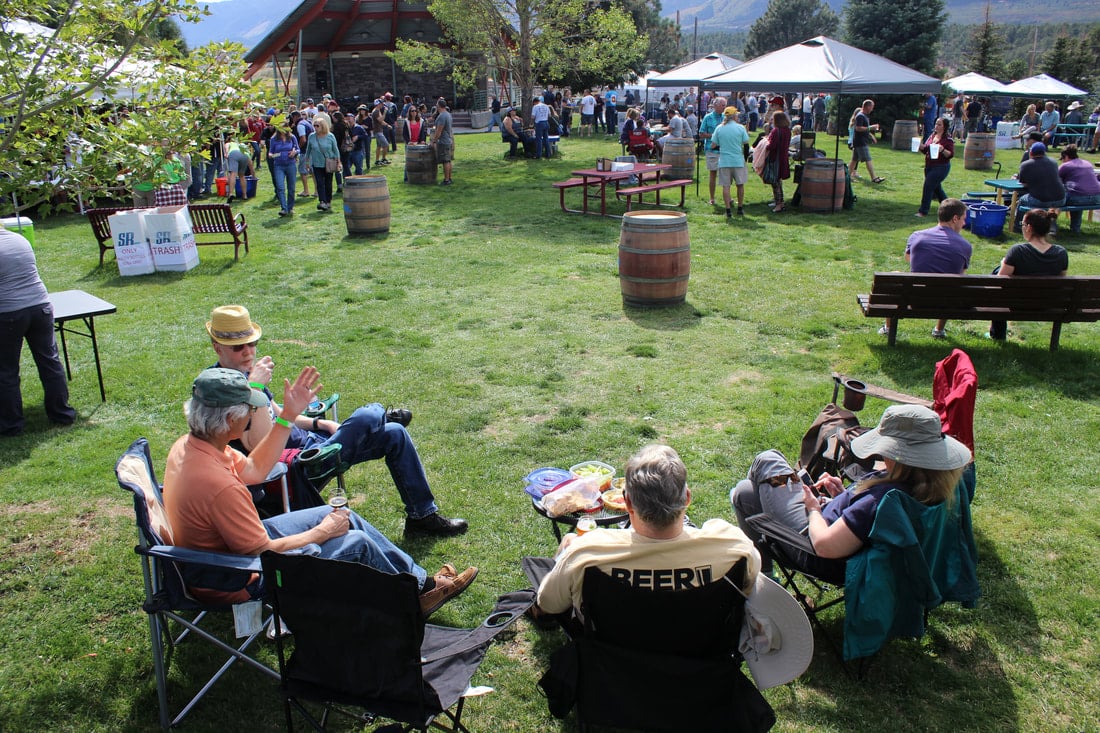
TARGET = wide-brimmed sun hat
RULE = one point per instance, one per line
(912, 435)
(231, 325)
(1075, 105)
(776, 639)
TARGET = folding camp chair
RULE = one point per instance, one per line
(167, 598)
(660, 660)
(360, 640)
(917, 558)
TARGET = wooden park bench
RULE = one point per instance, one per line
(206, 220)
(641, 191)
(1057, 300)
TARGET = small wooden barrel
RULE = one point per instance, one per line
(366, 204)
(817, 189)
(654, 258)
(981, 147)
(679, 152)
(420, 166)
(904, 132)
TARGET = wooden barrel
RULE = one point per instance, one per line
(420, 167)
(366, 204)
(980, 150)
(654, 258)
(679, 152)
(817, 188)
(904, 132)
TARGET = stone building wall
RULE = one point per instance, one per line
(370, 77)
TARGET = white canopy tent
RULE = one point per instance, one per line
(1042, 85)
(821, 64)
(972, 83)
(693, 72)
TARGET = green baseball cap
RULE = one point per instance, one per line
(218, 387)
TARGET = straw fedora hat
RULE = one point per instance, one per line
(231, 325)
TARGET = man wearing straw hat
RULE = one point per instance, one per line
(370, 433)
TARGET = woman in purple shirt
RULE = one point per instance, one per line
(1081, 182)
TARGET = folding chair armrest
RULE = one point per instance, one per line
(508, 608)
(769, 527)
(325, 406)
(202, 557)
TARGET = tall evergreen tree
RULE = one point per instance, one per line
(787, 22)
(904, 32)
(986, 49)
(1072, 61)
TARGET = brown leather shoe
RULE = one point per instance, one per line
(448, 585)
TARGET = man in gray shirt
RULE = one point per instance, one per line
(26, 314)
(443, 140)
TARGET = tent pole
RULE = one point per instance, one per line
(836, 154)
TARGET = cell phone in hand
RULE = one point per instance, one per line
(807, 481)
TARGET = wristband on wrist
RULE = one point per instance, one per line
(256, 385)
(284, 423)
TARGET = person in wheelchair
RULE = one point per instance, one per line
(660, 549)
(210, 508)
(920, 461)
(370, 433)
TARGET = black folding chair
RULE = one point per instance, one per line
(659, 660)
(168, 601)
(360, 640)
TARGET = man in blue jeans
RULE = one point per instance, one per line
(540, 113)
(370, 433)
(210, 508)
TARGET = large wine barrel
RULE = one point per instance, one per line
(654, 258)
(366, 204)
(904, 132)
(679, 152)
(420, 166)
(823, 185)
(980, 150)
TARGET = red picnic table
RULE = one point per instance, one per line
(590, 178)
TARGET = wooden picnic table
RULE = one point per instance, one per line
(591, 178)
(1000, 185)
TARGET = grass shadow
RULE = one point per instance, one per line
(664, 318)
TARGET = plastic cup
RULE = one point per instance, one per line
(585, 524)
(934, 151)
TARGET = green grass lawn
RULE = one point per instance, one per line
(498, 320)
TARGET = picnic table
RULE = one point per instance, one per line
(1001, 185)
(590, 178)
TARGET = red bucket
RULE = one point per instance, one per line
(222, 184)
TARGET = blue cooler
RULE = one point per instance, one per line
(249, 187)
(970, 213)
(989, 220)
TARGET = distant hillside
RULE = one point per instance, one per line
(730, 15)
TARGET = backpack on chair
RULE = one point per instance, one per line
(827, 445)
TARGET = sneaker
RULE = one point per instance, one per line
(740, 210)
(320, 207)
(229, 199)
(884, 331)
(435, 524)
(729, 213)
(400, 415)
(939, 333)
(920, 215)
(446, 182)
(282, 212)
(449, 584)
